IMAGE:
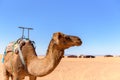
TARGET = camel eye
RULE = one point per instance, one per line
(68, 38)
(59, 37)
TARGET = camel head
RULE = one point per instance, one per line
(64, 41)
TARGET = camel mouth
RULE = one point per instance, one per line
(79, 43)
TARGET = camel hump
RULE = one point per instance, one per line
(11, 46)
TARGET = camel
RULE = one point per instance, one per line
(37, 67)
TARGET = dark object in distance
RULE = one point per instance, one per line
(72, 56)
(89, 56)
(108, 56)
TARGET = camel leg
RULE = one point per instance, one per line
(32, 77)
(6, 77)
(5, 74)
(11, 77)
(15, 76)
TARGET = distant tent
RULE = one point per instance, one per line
(81, 56)
(88, 56)
(72, 56)
(108, 56)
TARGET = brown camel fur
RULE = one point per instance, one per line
(36, 67)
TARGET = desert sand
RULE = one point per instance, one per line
(99, 68)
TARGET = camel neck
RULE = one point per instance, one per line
(47, 64)
(54, 53)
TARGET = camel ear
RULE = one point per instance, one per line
(56, 37)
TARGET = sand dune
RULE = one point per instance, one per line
(99, 68)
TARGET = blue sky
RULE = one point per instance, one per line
(96, 22)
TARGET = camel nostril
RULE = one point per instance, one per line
(79, 39)
(79, 42)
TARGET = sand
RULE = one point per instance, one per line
(99, 68)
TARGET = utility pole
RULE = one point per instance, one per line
(23, 29)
